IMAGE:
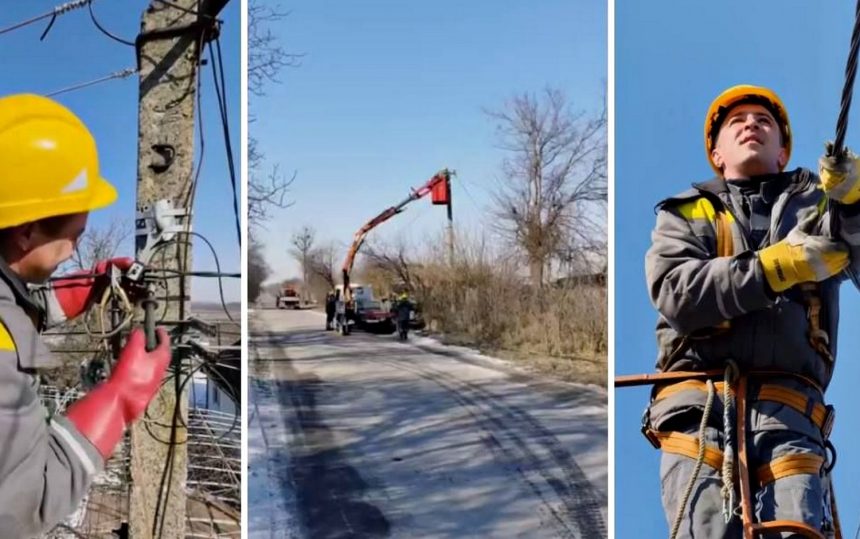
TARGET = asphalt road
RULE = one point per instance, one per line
(363, 437)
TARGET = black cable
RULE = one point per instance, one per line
(177, 273)
(221, 94)
(167, 473)
(848, 86)
(217, 268)
(842, 126)
(192, 189)
(48, 28)
(104, 30)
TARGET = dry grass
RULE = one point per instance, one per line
(557, 329)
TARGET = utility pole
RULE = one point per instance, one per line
(450, 221)
(168, 50)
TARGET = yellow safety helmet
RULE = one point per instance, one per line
(49, 164)
(736, 95)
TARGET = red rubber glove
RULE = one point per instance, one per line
(77, 291)
(104, 413)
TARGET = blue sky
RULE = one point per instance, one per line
(671, 60)
(75, 51)
(390, 92)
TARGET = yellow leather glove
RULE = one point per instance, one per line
(802, 257)
(839, 178)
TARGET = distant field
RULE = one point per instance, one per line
(214, 312)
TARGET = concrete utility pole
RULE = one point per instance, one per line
(450, 222)
(168, 48)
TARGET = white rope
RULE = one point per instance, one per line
(700, 459)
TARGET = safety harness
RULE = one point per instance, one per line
(736, 391)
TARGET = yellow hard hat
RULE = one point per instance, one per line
(48, 162)
(744, 93)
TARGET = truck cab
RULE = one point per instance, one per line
(288, 297)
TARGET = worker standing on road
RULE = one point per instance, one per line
(49, 182)
(745, 276)
(402, 311)
(330, 309)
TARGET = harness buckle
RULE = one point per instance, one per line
(647, 431)
(829, 418)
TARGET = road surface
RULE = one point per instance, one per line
(363, 437)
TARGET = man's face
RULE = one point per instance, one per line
(45, 248)
(749, 143)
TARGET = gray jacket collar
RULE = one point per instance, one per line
(16, 290)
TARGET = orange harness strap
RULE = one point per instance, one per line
(817, 412)
(688, 445)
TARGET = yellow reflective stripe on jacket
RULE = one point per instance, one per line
(703, 209)
(787, 466)
(687, 445)
(725, 245)
(6, 342)
(768, 392)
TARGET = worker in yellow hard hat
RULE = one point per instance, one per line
(49, 182)
(745, 276)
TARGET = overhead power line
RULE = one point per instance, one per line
(123, 74)
(53, 14)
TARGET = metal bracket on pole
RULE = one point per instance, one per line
(159, 224)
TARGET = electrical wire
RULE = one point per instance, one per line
(195, 179)
(468, 193)
(122, 74)
(103, 30)
(167, 472)
(218, 269)
(221, 94)
(177, 274)
(61, 9)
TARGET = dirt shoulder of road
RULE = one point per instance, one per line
(569, 369)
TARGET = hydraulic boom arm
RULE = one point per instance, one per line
(440, 180)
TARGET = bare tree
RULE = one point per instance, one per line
(303, 244)
(258, 270)
(555, 171)
(266, 58)
(98, 244)
(321, 264)
(395, 261)
(265, 192)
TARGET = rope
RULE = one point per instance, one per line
(728, 490)
(700, 459)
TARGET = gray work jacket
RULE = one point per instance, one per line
(694, 290)
(46, 464)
